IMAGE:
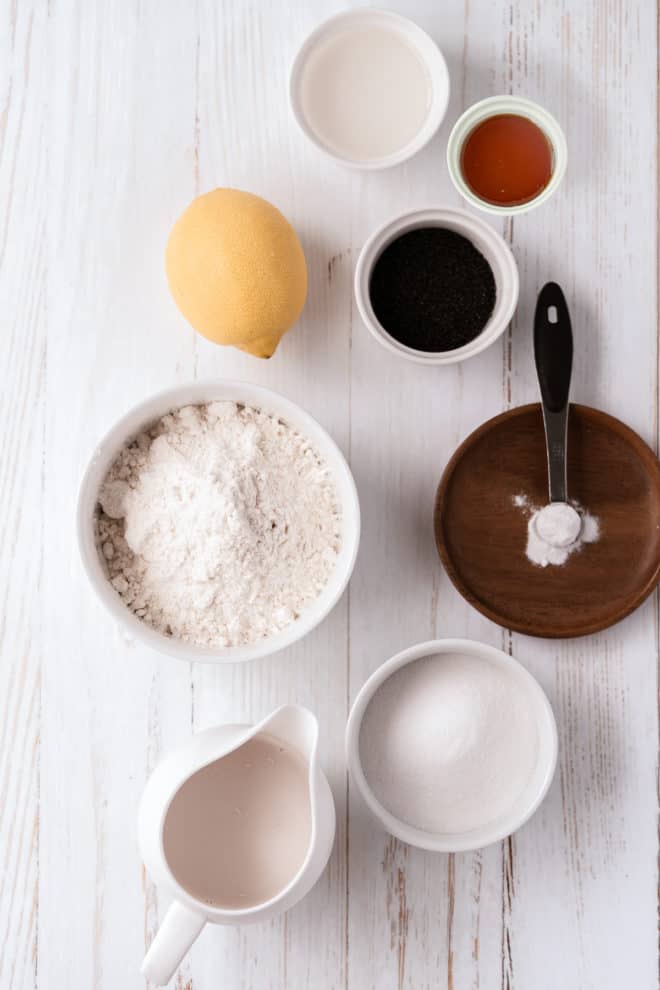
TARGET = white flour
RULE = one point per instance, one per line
(549, 537)
(219, 524)
(448, 743)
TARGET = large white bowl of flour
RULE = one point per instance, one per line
(452, 745)
(151, 512)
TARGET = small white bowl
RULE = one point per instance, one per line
(428, 53)
(528, 801)
(494, 249)
(522, 107)
(197, 393)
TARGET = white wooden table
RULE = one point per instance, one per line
(113, 115)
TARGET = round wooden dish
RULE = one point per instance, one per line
(481, 534)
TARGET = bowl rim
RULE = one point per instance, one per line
(491, 832)
(480, 233)
(435, 65)
(197, 393)
(489, 107)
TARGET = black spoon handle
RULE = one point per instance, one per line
(553, 353)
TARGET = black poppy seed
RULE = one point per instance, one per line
(432, 290)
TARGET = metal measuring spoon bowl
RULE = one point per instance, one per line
(558, 524)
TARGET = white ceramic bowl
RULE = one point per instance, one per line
(528, 801)
(429, 54)
(494, 249)
(194, 394)
(523, 108)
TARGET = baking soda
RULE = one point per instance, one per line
(551, 536)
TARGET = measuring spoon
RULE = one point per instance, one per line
(553, 354)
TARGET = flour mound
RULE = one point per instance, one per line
(219, 524)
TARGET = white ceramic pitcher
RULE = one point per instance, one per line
(187, 916)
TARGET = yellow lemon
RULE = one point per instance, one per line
(236, 270)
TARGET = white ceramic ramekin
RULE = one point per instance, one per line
(494, 249)
(428, 52)
(197, 393)
(528, 801)
(523, 108)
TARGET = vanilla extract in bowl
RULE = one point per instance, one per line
(432, 290)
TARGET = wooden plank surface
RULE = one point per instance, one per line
(112, 117)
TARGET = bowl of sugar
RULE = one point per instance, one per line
(452, 745)
(369, 88)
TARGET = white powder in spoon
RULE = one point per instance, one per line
(449, 743)
(551, 532)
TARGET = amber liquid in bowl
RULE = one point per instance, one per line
(507, 160)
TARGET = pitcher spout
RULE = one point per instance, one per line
(296, 726)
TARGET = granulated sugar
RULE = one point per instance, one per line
(448, 743)
(219, 524)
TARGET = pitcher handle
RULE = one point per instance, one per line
(179, 929)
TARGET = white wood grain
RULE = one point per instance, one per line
(23, 203)
(112, 117)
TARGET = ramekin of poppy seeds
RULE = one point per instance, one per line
(436, 285)
(432, 290)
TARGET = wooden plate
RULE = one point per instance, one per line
(481, 534)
